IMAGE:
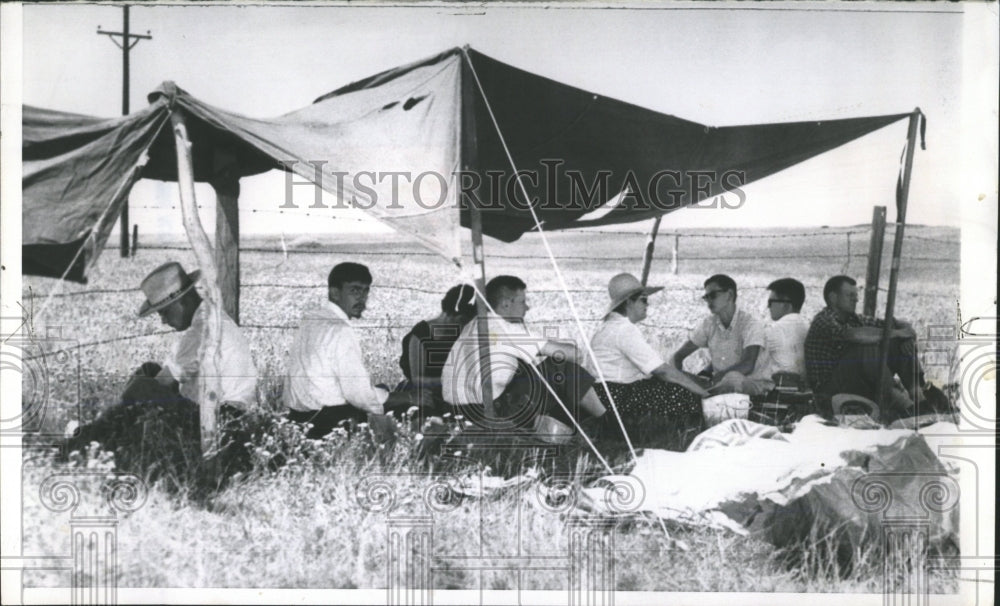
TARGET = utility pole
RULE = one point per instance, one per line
(127, 42)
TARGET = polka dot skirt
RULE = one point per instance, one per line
(650, 396)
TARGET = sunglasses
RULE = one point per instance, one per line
(711, 295)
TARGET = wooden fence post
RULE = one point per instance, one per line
(673, 254)
(226, 183)
(874, 260)
(647, 257)
(135, 238)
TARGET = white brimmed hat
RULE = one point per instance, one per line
(625, 285)
(164, 285)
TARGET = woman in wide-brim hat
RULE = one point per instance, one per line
(644, 387)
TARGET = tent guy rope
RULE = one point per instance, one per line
(548, 251)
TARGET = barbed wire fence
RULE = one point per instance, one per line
(852, 237)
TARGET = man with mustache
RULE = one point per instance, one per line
(327, 382)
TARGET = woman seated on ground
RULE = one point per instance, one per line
(645, 389)
(426, 347)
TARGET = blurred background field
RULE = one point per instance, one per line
(282, 278)
(301, 527)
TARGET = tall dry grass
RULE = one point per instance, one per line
(299, 524)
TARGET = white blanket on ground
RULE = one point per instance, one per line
(740, 461)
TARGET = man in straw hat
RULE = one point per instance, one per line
(515, 355)
(734, 338)
(173, 386)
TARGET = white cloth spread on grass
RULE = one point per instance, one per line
(739, 461)
(509, 342)
(238, 375)
(326, 367)
(621, 351)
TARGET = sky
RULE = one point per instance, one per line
(715, 65)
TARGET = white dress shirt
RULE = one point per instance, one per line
(238, 375)
(326, 367)
(784, 347)
(622, 352)
(509, 342)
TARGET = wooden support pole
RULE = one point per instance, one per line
(897, 252)
(209, 356)
(226, 183)
(874, 260)
(469, 149)
(647, 257)
(673, 254)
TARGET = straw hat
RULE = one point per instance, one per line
(623, 286)
(164, 285)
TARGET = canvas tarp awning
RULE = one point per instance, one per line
(382, 142)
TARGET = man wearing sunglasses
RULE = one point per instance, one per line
(784, 339)
(734, 338)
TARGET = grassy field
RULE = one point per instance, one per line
(302, 526)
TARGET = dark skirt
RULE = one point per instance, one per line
(656, 414)
(650, 397)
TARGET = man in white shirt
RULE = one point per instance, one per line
(784, 340)
(733, 337)
(327, 382)
(514, 351)
(173, 388)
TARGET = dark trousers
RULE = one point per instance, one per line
(327, 418)
(526, 396)
(154, 425)
(427, 399)
(857, 371)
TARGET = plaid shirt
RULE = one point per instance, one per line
(825, 343)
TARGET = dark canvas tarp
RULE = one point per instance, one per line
(382, 142)
(77, 172)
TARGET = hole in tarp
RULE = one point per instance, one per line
(412, 101)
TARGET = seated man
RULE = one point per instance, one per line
(842, 352)
(733, 337)
(327, 381)
(172, 389)
(784, 340)
(515, 354)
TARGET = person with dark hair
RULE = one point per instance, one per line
(733, 337)
(327, 382)
(841, 352)
(784, 340)
(642, 385)
(426, 346)
(515, 356)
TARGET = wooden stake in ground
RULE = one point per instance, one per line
(209, 374)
